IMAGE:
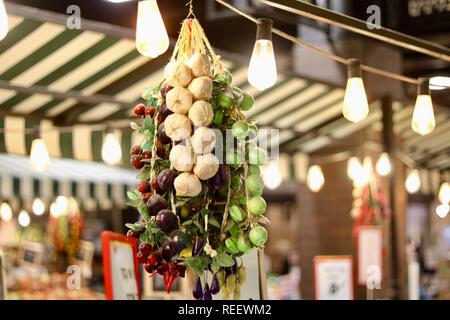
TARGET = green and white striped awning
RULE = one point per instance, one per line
(94, 184)
(52, 76)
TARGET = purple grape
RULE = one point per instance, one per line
(178, 241)
(164, 111)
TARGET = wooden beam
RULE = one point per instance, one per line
(333, 18)
(36, 89)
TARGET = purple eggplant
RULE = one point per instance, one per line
(215, 288)
(206, 293)
(223, 173)
(216, 182)
(167, 252)
(197, 292)
(198, 245)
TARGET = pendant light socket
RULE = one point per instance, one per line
(264, 29)
(354, 68)
(424, 87)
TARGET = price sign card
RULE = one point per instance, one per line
(370, 256)
(333, 277)
(120, 267)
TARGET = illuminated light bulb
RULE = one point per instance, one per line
(444, 193)
(38, 207)
(439, 83)
(262, 70)
(61, 205)
(72, 205)
(354, 168)
(118, 1)
(24, 218)
(111, 150)
(152, 39)
(39, 155)
(412, 182)
(442, 210)
(5, 212)
(54, 210)
(355, 105)
(383, 165)
(315, 178)
(3, 21)
(423, 121)
(272, 176)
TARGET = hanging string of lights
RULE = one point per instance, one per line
(355, 106)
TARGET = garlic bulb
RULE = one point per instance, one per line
(201, 113)
(187, 185)
(177, 127)
(182, 157)
(206, 166)
(179, 100)
(200, 65)
(203, 140)
(177, 74)
(201, 88)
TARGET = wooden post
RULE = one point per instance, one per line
(397, 211)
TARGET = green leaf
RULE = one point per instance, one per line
(148, 144)
(199, 226)
(135, 226)
(134, 203)
(198, 264)
(225, 260)
(143, 211)
(213, 221)
(145, 237)
(133, 195)
(215, 267)
(144, 175)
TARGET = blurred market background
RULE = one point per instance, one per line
(75, 90)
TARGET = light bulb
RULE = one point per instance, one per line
(111, 151)
(38, 207)
(444, 193)
(5, 212)
(24, 218)
(39, 155)
(54, 210)
(262, 70)
(272, 175)
(315, 178)
(61, 205)
(423, 121)
(152, 39)
(355, 105)
(3, 21)
(383, 165)
(354, 168)
(412, 182)
(442, 210)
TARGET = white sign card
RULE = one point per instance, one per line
(333, 277)
(413, 280)
(122, 268)
(370, 256)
